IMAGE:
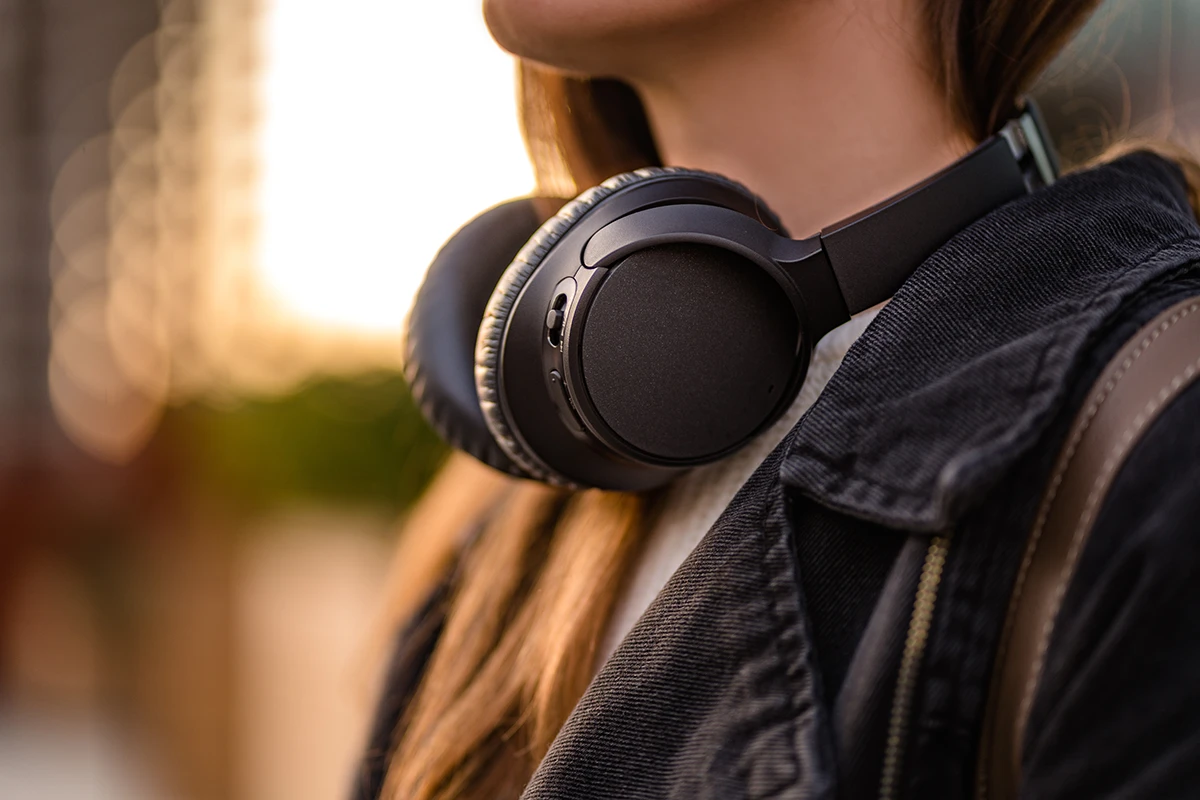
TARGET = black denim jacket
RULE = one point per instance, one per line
(768, 666)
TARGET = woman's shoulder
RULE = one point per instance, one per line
(982, 350)
(1154, 497)
(1127, 634)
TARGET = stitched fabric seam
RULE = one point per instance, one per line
(1115, 459)
(775, 648)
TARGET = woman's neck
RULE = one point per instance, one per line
(821, 108)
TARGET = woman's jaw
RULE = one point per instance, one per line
(822, 107)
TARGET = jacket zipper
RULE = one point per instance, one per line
(910, 663)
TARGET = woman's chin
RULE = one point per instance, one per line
(595, 37)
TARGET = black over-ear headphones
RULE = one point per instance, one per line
(662, 319)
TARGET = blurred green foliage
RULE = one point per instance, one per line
(359, 442)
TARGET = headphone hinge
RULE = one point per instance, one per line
(1032, 147)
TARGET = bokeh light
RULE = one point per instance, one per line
(275, 181)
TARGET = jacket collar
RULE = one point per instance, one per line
(968, 363)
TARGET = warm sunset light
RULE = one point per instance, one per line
(384, 127)
(264, 214)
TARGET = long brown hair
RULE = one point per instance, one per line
(535, 590)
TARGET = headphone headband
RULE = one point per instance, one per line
(662, 320)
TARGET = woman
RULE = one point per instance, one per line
(742, 633)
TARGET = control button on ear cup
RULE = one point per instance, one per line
(688, 351)
(554, 321)
(444, 321)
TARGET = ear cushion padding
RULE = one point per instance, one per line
(508, 288)
(444, 321)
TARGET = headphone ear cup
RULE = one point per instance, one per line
(522, 268)
(444, 321)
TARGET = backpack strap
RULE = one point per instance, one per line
(1153, 367)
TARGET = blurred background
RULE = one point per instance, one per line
(213, 215)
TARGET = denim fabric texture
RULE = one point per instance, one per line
(766, 668)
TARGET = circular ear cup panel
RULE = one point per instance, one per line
(442, 326)
(500, 307)
(688, 351)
